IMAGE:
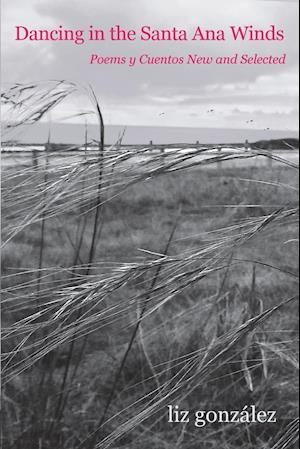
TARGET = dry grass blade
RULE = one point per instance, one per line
(290, 437)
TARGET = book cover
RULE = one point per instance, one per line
(150, 155)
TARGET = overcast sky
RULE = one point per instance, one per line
(162, 95)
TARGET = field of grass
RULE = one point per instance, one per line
(127, 291)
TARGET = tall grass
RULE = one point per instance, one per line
(93, 357)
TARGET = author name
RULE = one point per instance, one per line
(201, 418)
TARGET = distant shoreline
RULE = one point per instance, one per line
(285, 144)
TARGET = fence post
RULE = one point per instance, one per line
(270, 159)
(219, 163)
(35, 163)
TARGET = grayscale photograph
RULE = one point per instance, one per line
(150, 211)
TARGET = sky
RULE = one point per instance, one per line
(258, 97)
